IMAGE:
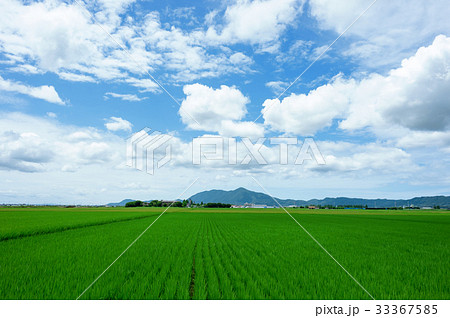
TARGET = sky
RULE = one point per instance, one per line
(368, 82)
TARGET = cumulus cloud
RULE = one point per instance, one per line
(33, 144)
(117, 123)
(305, 114)
(208, 105)
(127, 97)
(388, 31)
(217, 110)
(412, 97)
(23, 151)
(45, 92)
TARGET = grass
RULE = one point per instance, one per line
(55, 253)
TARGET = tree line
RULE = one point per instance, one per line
(176, 204)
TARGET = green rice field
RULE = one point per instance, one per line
(56, 253)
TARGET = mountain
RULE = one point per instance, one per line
(241, 196)
(238, 197)
(121, 203)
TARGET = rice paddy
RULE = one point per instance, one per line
(56, 253)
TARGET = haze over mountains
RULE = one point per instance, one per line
(241, 196)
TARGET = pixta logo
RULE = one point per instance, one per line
(226, 149)
(150, 151)
(141, 149)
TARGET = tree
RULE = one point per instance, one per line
(155, 203)
(134, 204)
(217, 205)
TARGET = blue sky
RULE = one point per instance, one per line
(76, 81)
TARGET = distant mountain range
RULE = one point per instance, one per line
(241, 196)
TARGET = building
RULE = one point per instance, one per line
(253, 206)
(262, 206)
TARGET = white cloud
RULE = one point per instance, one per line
(76, 77)
(83, 162)
(240, 129)
(217, 110)
(421, 139)
(33, 144)
(45, 92)
(26, 69)
(370, 158)
(305, 114)
(389, 31)
(116, 6)
(127, 97)
(209, 106)
(277, 86)
(23, 151)
(411, 97)
(240, 58)
(301, 51)
(255, 22)
(145, 85)
(187, 54)
(53, 36)
(117, 123)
